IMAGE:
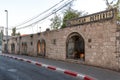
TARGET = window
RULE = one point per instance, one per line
(54, 41)
(31, 35)
(31, 43)
(89, 40)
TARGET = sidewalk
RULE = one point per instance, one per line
(100, 74)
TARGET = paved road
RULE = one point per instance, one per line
(98, 73)
(11, 69)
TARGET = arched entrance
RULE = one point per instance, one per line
(38, 48)
(75, 46)
(12, 48)
(24, 46)
(41, 48)
(5, 47)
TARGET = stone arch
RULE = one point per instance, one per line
(12, 48)
(38, 48)
(75, 46)
(5, 47)
(24, 47)
(41, 47)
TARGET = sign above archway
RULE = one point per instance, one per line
(104, 15)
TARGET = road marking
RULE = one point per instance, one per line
(75, 74)
(12, 70)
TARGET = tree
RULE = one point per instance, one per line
(111, 5)
(2, 33)
(56, 22)
(69, 14)
(14, 32)
(18, 34)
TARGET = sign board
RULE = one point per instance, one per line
(92, 18)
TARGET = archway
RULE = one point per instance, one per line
(38, 48)
(5, 47)
(41, 48)
(24, 47)
(12, 48)
(75, 46)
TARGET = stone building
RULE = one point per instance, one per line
(93, 39)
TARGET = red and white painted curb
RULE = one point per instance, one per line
(68, 72)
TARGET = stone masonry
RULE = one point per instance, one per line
(102, 43)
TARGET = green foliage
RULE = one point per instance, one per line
(14, 32)
(111, 5)
(0, 38)
(18, 34)
(69, 14)
(56, 22)
(118, 7)
(2, 33)
(118, 15)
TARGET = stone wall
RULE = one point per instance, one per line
(117, 42)
(101, 43)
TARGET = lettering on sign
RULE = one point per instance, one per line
(92, 18)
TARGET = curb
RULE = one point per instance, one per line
(68, 72)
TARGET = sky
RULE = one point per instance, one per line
(22, 10)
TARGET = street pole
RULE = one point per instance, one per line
(40, 29)
(7, 29)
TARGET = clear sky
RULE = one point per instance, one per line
(22, 10)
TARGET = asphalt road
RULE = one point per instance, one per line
(11, 69)
(96, 72)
